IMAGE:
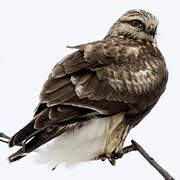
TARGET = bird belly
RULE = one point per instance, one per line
(83, 143)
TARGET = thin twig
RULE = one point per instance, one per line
(162, 171)
(1, 140)
(128, 149)
(4, 136)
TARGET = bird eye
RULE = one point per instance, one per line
(138, 24)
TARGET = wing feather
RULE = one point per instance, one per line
(53, 84)
(103, 77)
(64, 93)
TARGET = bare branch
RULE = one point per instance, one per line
(128, 149)
(5, 138)
(1, 140)
(162, 171)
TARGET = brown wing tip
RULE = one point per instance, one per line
(11, 142)
(15, 140)
(16, 156)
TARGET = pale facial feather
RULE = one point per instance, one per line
(121, 27)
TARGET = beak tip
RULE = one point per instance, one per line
(153, 31)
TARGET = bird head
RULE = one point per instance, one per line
(136, 24)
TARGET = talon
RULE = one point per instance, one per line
(111, 157)
(112, 161)
(102, 157)
(116, 155)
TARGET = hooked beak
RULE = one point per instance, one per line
(152, 30)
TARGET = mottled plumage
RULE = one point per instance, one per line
(94, 96)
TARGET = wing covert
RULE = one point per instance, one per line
(106, 77)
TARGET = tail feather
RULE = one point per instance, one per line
(16, 156)
(22, 134)
(35, 140)
(47, 124)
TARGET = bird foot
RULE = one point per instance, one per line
(112, 157)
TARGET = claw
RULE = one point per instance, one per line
(112, 161)
(108, 156)
(111, 157)
(115, 155)
(102, 157)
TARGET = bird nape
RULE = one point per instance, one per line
(96, 95)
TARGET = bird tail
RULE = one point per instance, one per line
(30, 139)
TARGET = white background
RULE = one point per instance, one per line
(33, 37)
